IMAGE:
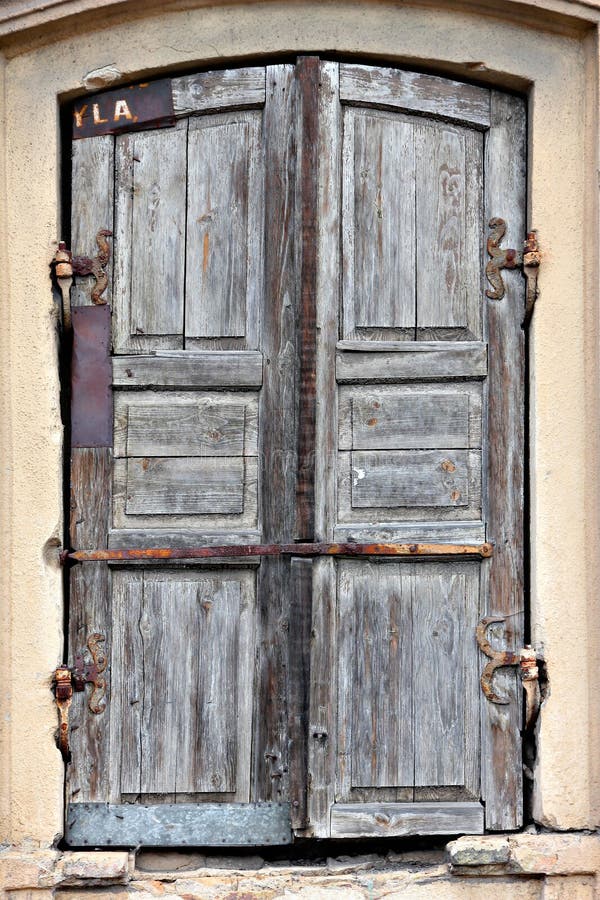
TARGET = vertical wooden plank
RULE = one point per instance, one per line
(307, 70)
(382, 678)
(218, 611)
(149, 239)
(328, 298)
(278, 439)
(379, 223)
(299, 675)
(90, 608)
(128, 685)
(439, 639)
(93, 203)
(323, 697)
(505, 198)
(220, 240)
(449, 225)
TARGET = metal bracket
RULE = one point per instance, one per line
(502, 258)
(67, 680)
(66, 266)
(526, 659)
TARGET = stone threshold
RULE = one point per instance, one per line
(497, 856)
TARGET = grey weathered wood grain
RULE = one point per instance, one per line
(396, 819)
(378, 224)
(382, 677)
(186, 729)
(301, 572)
(179, 825)
(88, 776)
(322, 697)
(223, 228)
(463, 532)
(328, 294)
(418, 420)
(277, 429)
(188, 486)
(185, 536)
(406, 361)
(127, 701)
(177, 423)
(191, 370)
(409, 478)
(211, 91)
(90, 605)
(92, 182)
(415, 92)
(439, 637)
(449, 224)
(505, 197)
(150, 189)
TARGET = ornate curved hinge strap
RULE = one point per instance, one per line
(526, 659)
(66, 265)
(67, 680)
(503, 258)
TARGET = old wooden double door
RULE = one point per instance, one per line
(302, 352)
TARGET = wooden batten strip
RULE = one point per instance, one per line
(395, 819)
(415, 92)
(210, 369)
(214, 91)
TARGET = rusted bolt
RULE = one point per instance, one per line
(448, 466)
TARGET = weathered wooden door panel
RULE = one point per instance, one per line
(422, 361)
(302, 351)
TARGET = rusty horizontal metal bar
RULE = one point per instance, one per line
(242, 550)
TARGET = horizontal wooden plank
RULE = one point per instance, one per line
(178, 824)
(190, 370)
(178, 423)
(185, 486)
(415, 92)
(390, 361)
(213, 91)
(467, 532)
(415, 421)
(180, 537)
(410, 478)
(355, 820)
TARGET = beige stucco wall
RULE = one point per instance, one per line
(553, 57)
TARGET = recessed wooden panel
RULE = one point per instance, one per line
(223, 243)
(178, 423)
(395, 819)
(449, 218)
(410, 478)
(149, 239)
(417, 420)
(407, 676)
(378, 224)
(184, 681)
(185, 486)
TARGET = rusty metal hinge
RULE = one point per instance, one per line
(528, 260)
(527, 661)
(68, 679)
(66, 265)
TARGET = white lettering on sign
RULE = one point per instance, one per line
(98, 120)
(79, 114)
(122, 110)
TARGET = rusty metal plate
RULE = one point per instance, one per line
(146, 105)
(91, 372)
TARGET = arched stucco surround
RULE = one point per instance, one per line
(541, 51)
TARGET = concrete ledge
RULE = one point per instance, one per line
(23, 870)
(526, 854)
